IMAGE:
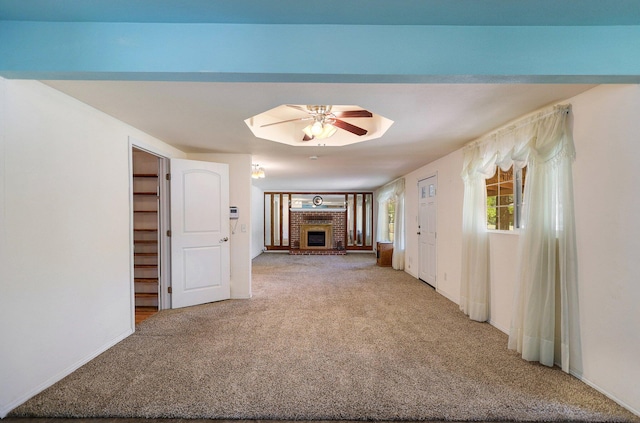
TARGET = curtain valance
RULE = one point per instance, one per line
(541, 137)
(390, 190)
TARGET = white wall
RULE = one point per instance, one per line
(65, 270)
(606, 175)
(607, 345)
(257, 221)
(450, 191)
(502, 271)
(239, 196)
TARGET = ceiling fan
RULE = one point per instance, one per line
(325, 121)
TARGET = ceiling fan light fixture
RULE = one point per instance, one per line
(327, 131)
(317, 128)
(257, 172)
(307, 131)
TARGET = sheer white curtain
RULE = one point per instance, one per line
(393, 191)
(397, 262)
(547, 250)
(547, 246)
(505, 148)
(382, 227)
(474, 289)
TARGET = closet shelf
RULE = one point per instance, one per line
(146, 280)
(145, 175)
(146, 295)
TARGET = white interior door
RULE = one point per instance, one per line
(199, 232)
(427, 234)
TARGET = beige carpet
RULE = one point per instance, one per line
(323, 338)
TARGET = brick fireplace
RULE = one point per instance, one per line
(332, 224)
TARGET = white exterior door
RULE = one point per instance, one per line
(427, 235)
(199, 232)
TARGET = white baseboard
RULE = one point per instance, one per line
(499, 327)
(6, 409)
(604, 392)
(411, 272)
(447, 296)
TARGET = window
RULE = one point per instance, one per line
(391, 212)
(504, 199)
(386, 220)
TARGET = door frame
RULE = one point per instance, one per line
(164, 252)
(421, 179)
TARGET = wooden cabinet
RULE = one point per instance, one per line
(384, 254)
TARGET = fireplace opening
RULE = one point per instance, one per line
(316, 238)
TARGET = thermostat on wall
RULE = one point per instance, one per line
(234, 213)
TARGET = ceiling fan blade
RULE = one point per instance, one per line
(349, 127)
(353, 114)
(285, 121)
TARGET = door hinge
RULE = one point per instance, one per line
(168, 176)
(169, 233)
(169, 290)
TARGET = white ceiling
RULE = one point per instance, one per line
(430, 121)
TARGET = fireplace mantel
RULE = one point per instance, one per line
(318, 209)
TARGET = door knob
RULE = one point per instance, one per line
(225, 239)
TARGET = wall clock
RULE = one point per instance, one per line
(317, 200)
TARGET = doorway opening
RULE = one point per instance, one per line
(146, 172)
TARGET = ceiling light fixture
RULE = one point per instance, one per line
(319, 130)
(323, 120)
(257, 172)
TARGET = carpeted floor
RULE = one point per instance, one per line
(323, 338)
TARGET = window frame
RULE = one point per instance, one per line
(517, 182)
